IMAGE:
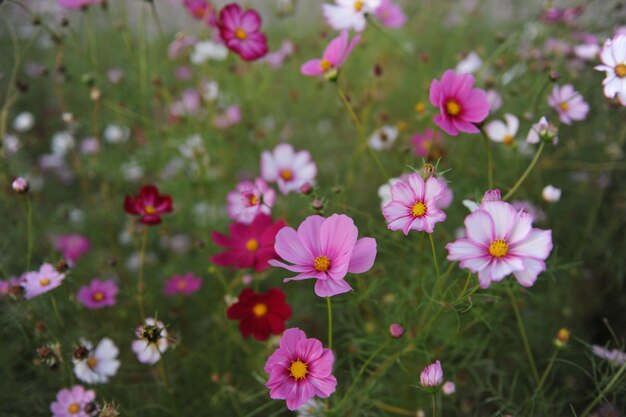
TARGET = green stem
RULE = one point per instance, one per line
(55, 307)
(330, 322)
(489, 159)
(140, 284)
(605, 391)
(434, 405)
(432, 247)
(525, 174)
(547, 371)
(522, 332)
(29, 231)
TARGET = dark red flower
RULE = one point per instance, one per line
(249, 245)
(241, 33)
(149, 204)
(260, 314)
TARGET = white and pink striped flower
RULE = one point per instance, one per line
(288, 168)
(249, 199)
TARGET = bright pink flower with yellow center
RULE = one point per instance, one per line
(72, 246)
(98, 294)
(460, 105)
(415, 204)
(240, 31)
(300, 369)
(325, 249)
(182, 284)
(149, 205)
(333, 58)
(501, 241)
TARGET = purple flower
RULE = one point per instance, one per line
(98, 294)
(182, 284)
(38, 282)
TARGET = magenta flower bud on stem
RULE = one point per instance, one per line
(432, 376)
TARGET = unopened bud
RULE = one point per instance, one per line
(554, 76)
(395, 330)
(306, 188)
(317, 204)
(20, 185)
(562, 337)
(428, 170)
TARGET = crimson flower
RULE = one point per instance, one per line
(149, 204)
(240, 32)
(249, 245)
(260, 314)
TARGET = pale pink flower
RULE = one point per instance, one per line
(300, 369)
(568, 103)
(325, 249)
(230, 117)
(432, 376)
(249, 199)
(38, 282)
(414, 205)
(288, 168)
(333, 58)
(613, 57)
(551, 194)
(501, 241)
(615, 356)
(390, 14)
(448, 388)
(72, 402)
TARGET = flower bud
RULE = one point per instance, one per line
(395, 330)
(306, 188)
(432, 376)
(562, 337)
(448, 388)
(20, 185)
(428, 170)
(317, 204)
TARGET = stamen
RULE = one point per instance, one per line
(453, 107)
(241, 34)
(418, 209)
(321, 264)
(498, 248)
(298, 370)
(252, 245)
(259, 309)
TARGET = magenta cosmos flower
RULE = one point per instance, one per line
(249, 199)
(300, 369)
(501, 241)
(182, 284)
(240, 32)
(427, 144)
(249, 245)
(414, 204)
(325, 249)
(288, 168)
(568, 103)
(149, 205)
(98, 294)
(335, 54)
(72, 402)
(460, 105)
(38, 282)
(72, 246)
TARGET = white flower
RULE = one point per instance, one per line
(132, 171)
(116, 133)
(470, 64)
(349, 14)
(62, 142)
(613, 56)
(210, 90)
(11, 144)
(311, 408)
(23, 122)
(99, 364)
(288, 168)
(542, 129)
(383, 138)
(384, 191)
(498, 131)
(551, 194)
(203, 51)
(152, 341)
(587, 51)
(494, 99)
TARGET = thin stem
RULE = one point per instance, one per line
(547, 371)
(29, 231)
(434, 405)
(525, 174)
(432, 247)
(140, 285)
(330, 322)
(605, 391)
(522, 332)
(55, 307)
(489, 159)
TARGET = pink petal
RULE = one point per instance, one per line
(479, 227)
(330, 287)
(363, 256)
(337, 236)
(312, 67)
(289, 247)
(309, 234)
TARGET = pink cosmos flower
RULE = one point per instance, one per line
(76, 4)
(6, 287)
(200, 9)
(500, 241)
(182, 284)
(333, 58)
(325, 249)
(72, 246)
(613, 57)
(288, 168)
(249, 246)
(426, 143)
(568, 103)
(249, 199)
(229, 117)
(38, 282)
(349, 14)
(98, 294)
(414, 204)
(300, 369)
(390, 14)
(432, 375)
(72, 402)
(460, 105)
(240, 32)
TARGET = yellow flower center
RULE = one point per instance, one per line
(286, 174)
(241, 34)
(420, 107)
(508, 140)
(74, 408)
(358, 5)
(564, 106)
(498, 248)
(92, 362)
(418, 209)
(252, 245)
(325, 65)
(149, 209)
(620, 70)
(98, 296)
(182, 284)
(298, 370)
(259, 310)
(44, 282)
(321, 264)
(254, 200)
(453, 107)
